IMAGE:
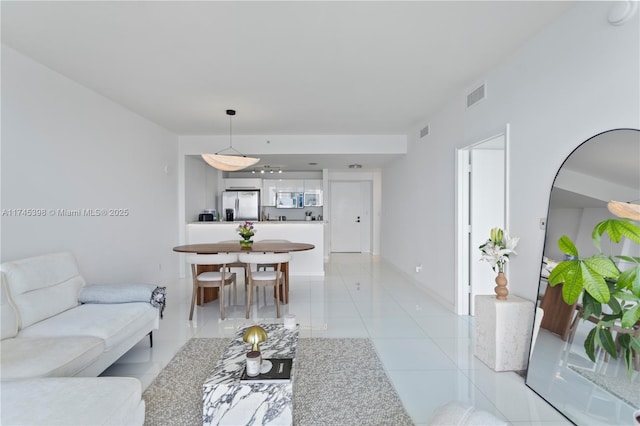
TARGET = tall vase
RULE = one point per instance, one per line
(501, 287)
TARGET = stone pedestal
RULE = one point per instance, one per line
(503, 332)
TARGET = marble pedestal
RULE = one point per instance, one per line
(503, 332)
(227, 401)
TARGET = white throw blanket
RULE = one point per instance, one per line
(125, 293)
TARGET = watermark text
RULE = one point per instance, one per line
(100, 212)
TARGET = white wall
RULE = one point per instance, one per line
(562, 221)
(577, 224)
(66, 147)
(576, 78)
(418, 198)
(201, 187)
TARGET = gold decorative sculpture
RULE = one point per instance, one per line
(254, 336)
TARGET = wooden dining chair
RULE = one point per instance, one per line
(210, 279)
(264, 278)
(237, 264)
(284, 293)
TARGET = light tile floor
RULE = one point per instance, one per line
(426, 350)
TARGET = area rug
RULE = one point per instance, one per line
(621, 387)
(338, 382)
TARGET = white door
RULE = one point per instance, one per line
(486, 211)
(346, 217)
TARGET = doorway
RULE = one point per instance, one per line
(482, 180)
(350, 216)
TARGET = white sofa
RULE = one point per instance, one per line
(50, 340)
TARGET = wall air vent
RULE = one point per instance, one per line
(476, 96)
(425, 131)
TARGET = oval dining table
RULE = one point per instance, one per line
(235, 247)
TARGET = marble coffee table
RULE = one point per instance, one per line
(228, 401)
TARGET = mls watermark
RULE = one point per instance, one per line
(65, 212)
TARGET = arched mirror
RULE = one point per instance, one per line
(605, 167)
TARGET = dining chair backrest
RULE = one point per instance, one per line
(258, 257)
(212, 259)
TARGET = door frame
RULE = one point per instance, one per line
(462, 249)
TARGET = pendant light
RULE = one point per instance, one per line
(229, 163)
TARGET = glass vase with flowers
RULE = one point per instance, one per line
(246, 231)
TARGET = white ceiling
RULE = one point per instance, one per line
(330, 67)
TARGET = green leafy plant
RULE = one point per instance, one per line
(603, 282)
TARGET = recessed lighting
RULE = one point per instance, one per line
(355, 166)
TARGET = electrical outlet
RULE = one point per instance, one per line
(418, 268)
(543, 223)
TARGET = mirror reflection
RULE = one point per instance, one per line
(605, 167)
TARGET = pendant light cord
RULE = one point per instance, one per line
(231, 113)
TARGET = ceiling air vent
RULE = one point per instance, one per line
(425, 131)
(476, 96)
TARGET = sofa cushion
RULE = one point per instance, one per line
(25, 357)
(43, 286)
(111, 322)
(73, 401)
(8, 315)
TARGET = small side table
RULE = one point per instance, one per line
(503, 332)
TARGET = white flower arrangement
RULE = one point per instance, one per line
(497, 249)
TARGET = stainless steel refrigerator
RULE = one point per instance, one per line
(245, 204)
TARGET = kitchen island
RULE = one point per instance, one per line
(304, 263)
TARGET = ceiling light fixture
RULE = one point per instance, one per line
(229, 163)
(266, 168)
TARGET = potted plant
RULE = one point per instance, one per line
(246, 231)
(600, 281)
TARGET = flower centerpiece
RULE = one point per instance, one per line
(496, 251)
(246, 231)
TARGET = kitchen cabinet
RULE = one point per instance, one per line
(270, 187)
(313, 192)
(312, 185)
(242, 183)
(313, 199)
(269, 191)
(291, 185)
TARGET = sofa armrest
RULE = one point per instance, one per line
(124, 293)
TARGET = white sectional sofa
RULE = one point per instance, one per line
(53, 346)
